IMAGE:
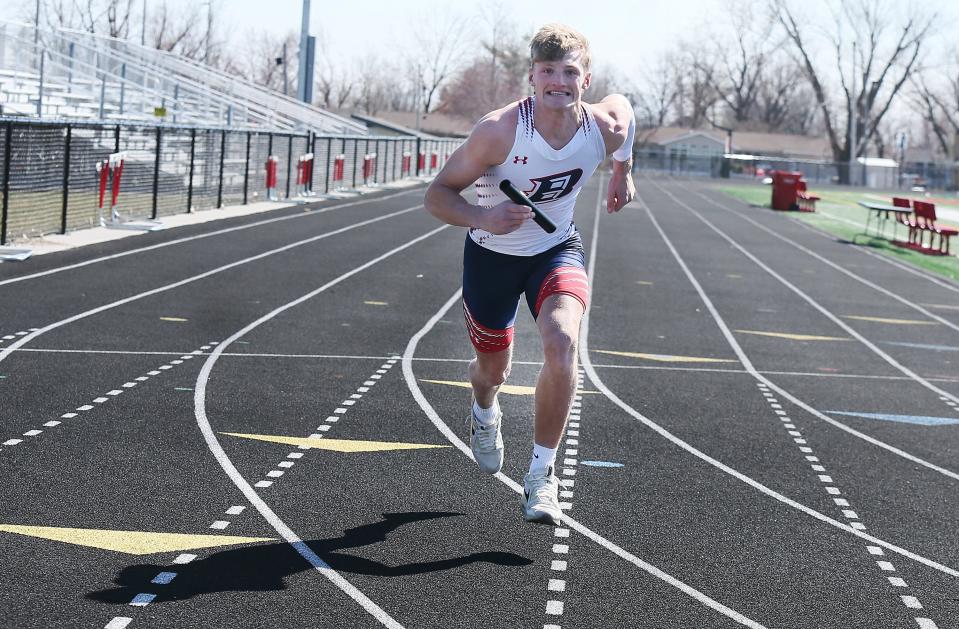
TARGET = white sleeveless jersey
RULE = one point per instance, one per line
(550, 178)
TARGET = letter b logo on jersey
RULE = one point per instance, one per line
(552, 187)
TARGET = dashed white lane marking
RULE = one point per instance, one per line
(100, 400)
(556, 565)
(120, 622)
(203, 422)
(747, 364)
(591, 371)
(911, 602)
(143, 599)
(5, 352)
(567, 492)
(165, 577)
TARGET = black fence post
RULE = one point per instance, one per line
(417, 156)
(219, 190)
(356, 145)
(312, 150)
(329, 156)
(156, 173)
(6, 182)
(366, 151)
(289, 164)
(66, 179)
(189, 194)
(246, 168)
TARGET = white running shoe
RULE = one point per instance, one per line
(486, 442)
(541, 497)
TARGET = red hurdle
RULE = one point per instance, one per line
(369, 169)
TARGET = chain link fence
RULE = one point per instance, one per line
(50, 182)
(870, 173)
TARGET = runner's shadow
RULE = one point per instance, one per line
(265, 567)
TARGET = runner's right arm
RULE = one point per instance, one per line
(486, 147)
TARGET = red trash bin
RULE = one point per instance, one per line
(785, 189)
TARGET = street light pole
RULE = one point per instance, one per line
(302, 78)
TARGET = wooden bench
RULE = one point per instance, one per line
(923, 221)
(805, 201)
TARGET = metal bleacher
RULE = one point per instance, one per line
(70, 74)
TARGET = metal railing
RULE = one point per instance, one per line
(927, 175)
(69, 73)
(49, 180)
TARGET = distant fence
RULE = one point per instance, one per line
(684, 163)
(50, 184)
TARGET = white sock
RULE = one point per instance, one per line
(542, 459)
(485, 416)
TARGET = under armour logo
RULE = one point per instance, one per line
(517, 159)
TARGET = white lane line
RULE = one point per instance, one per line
(888, 293)
(229, 468)
(910, 601)
(747, 364)
(71, 415)
(26, 339)
(198, 237)
(220, 525)
(598, 383)
(568, 522)
(185, 558)
(120, 622)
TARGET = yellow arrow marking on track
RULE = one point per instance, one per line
(665, 358)
(174, 319)
(376, 303)
(644, 283)
(130, 542)
(794, 337)
(510, 389)
(336, 445)
(734, 276)
(893, 321)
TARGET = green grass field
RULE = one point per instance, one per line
(838, 214)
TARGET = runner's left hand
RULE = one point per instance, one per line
(621, 190)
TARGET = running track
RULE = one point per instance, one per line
(765, 433)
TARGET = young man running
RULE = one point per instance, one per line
(547, 145)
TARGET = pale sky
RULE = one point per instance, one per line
(622, 33)
(625, 34)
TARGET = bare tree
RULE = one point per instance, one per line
(102, 17)
(658, 92)
(694, 73)
(376, 81)
(784, 104)
(441, 41)
(938, 102)
(741, 58)
(886, 55)
(334, 81)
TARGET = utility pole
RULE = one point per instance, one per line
(36, 29)
(143, 25)
(304, 74)
(853, 140)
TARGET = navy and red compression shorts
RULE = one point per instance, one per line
(493, 283)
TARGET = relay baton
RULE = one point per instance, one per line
(519, 198)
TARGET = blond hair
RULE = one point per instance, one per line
(554, 41)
